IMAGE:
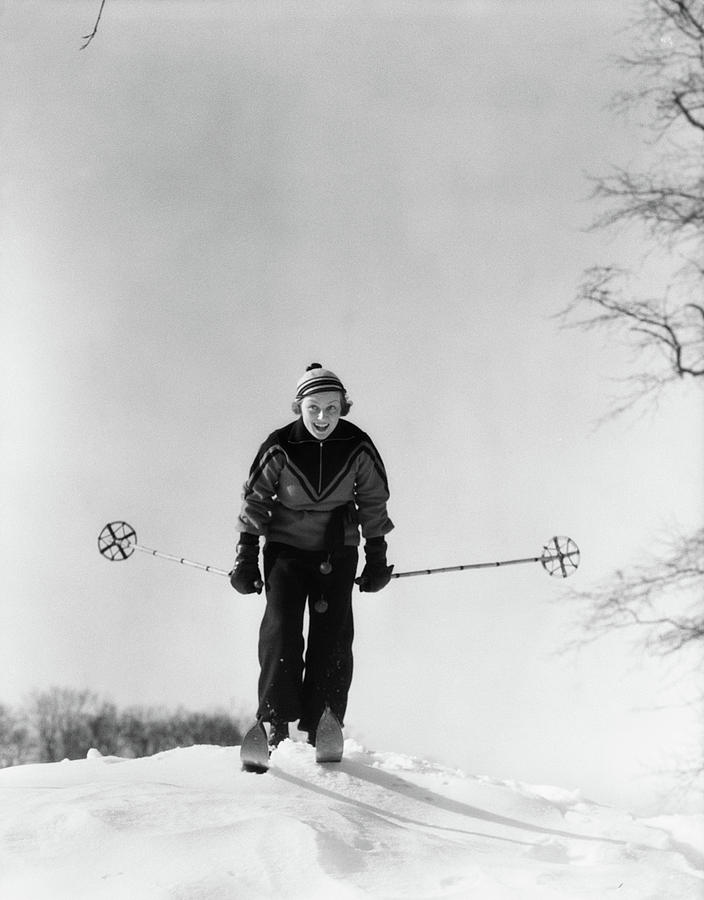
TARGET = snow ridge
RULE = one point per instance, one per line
(188, 824)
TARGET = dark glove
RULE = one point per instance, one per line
(375, 574)
(245, 576)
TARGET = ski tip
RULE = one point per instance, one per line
(254, 751)
(329, 740)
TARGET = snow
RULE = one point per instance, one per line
(188, 824)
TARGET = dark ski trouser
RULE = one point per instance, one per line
(291, 687)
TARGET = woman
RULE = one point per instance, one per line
(313, 484)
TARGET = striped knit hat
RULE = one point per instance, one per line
(316, 379)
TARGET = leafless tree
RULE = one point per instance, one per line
(59, 721)
(659, 601)
(660, 597)
(663, 201)
(15, 741)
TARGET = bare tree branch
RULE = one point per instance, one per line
(659, 601)
(667, 209)
(89, 37)
(688, 110)
(665, 201)
(666, 334)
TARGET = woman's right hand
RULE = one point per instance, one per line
(245, 576)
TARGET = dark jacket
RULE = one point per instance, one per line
(296, 481)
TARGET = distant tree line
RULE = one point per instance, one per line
(63, 723)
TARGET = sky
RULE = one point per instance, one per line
(210, 197)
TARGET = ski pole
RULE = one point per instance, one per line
(118, 541)
(560, 557)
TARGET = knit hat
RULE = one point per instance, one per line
(316, 379)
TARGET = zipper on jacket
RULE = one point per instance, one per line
(320, 469)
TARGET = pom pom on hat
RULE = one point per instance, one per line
(315, 379)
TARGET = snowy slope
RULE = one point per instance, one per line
(189, 825)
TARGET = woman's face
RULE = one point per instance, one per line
(321, 413)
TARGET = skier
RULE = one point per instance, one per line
(312, 485)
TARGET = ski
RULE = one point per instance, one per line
(254, 752)
(329, 744)
(329, 740)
